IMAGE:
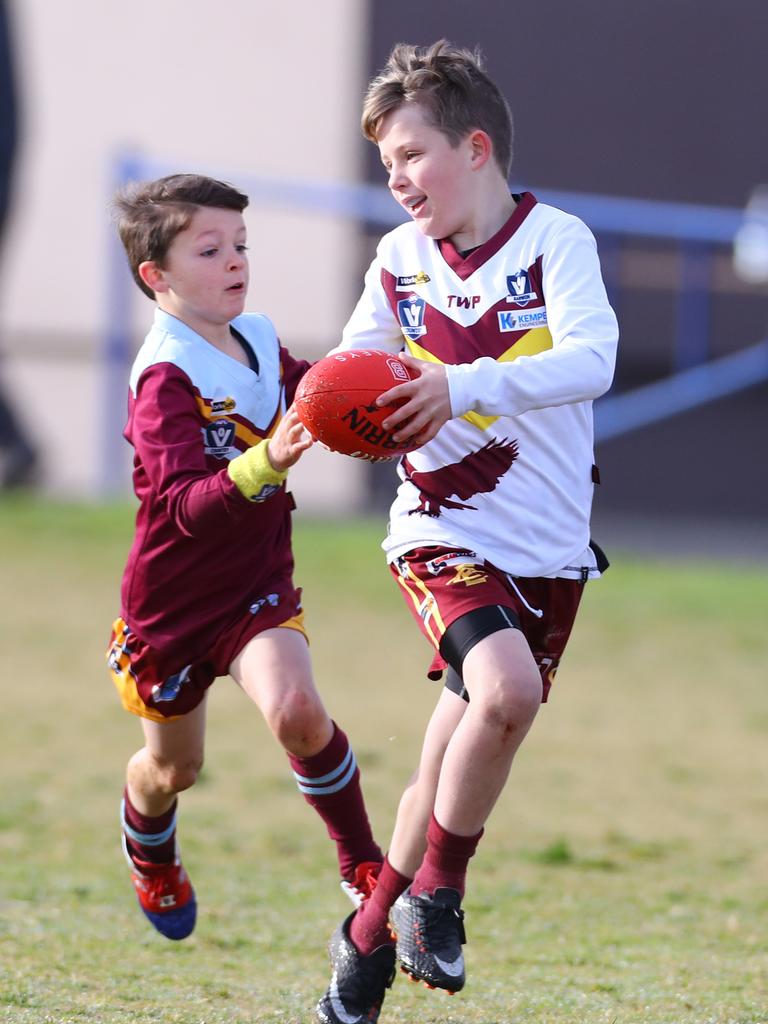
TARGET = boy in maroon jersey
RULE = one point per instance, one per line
(208, 586)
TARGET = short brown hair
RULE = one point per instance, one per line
(451, 85)
(150, 214)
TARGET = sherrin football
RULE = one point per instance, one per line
(336, 402)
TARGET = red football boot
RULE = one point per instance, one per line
(165, 895)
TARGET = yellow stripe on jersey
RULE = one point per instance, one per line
(538, 339)
(241, 431)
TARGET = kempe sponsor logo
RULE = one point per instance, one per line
(514, 320)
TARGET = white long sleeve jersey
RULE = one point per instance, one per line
(524, 329)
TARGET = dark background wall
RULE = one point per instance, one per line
(665, 100)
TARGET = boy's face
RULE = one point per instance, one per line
(204, 280)
(430, 178)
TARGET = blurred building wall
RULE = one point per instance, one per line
(663, 99)
(264, 89)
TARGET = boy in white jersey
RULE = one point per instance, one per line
(501, 308)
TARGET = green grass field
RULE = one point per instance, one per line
(624, 873)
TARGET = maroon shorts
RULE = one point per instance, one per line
(155, 685)
(442, 585)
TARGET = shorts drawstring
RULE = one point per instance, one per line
(534, 611)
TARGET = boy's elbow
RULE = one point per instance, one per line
(604, 364)
(604, 377)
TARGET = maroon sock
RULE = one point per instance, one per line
(330, 782)
(150, 839)
(369, 928)
(445, 862)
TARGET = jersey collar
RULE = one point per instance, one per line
(462, 267)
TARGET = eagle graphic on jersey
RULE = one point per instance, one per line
(477, 473)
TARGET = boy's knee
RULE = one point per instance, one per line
(511, 701)
(297, 718)
(176, 776)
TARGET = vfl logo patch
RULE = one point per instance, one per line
(218, 438)
(408, 281)
(469, 575)
(223, 405)
(512, 321)
(410, 313)
(519, 288)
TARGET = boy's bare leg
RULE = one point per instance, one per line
(409, 838)
(169, 761)
(504, 685)
(370, 927)
(274, 669)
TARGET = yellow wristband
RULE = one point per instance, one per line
(254, 475)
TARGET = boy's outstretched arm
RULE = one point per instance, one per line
(289, 442)
(258, 472)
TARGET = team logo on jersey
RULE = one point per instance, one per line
(468, 574)
(411, 312)
(519, 288)
(514, 321)
(479, 472)
(223, 405)
(408, 281)
(218, 438)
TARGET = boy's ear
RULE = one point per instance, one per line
(481, 148)
(152, 276)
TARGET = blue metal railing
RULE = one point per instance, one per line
(689, 389)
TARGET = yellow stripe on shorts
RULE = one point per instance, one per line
(429, 600)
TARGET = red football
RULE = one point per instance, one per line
(336, 400)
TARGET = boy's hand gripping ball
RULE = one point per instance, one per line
(336, 402)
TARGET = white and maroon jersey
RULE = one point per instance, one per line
(201, 550)
(528, 338)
